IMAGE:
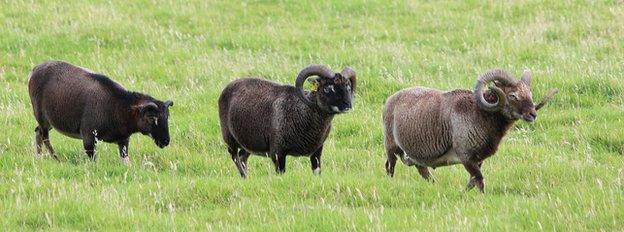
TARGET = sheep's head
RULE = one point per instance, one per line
(332, 92)
(152, 118)
(513, 98)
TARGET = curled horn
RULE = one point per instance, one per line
(493, 75)
(549, 96)
(350, 74)
(312, 70)
(526, 77)
(168, 103)
(147, 106)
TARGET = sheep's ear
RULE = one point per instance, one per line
(315, 82)
(526, 77)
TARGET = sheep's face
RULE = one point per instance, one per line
(154, 121)
(334, 95)
(519, 102)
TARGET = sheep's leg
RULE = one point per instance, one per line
(38, 141)
(390, 163)
(391, 153)
(43, 135)
(88, 142)
(236, 159)
(242, 162)
(315, 161)
(424, 172)
(476, 178)
(123, 151)
(279, 160)
(244, 155)
(42, 132)
(46, 141)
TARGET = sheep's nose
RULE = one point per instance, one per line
(163, 143)
(530, 117)
(347, 107)
(533, 114)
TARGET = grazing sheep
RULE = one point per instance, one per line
(431, 128)
(263, 117)
(82, 104)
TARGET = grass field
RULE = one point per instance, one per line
(564, 172)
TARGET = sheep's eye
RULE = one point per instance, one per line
(513, 96)
(328, 88)
(153, 121)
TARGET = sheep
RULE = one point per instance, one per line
(85, 105)
(262, 117)
(431, 128)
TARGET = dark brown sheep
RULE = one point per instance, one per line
(263, 117)
(431, 128)
(82, 104)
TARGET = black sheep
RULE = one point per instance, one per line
(263, 117)
(82, 104)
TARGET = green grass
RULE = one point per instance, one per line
(564, 172)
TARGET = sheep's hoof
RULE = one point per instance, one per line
(126, 161)
(470, 185)
(317, 171)
(473, 182)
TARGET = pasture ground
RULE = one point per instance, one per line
(564, 172)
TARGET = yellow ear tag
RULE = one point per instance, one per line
(315, 86)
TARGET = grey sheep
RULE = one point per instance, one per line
(262, 117)
(431, 128)
(82, 104)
